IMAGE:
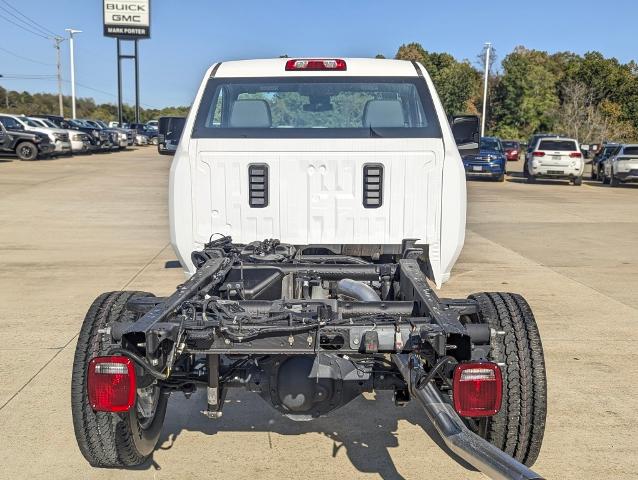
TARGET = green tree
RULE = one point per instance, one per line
(526, 95)
(457, 83)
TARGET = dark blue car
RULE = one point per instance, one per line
(489, 162)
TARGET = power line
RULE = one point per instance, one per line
(46, 37)
(25, 58)
(30, 20)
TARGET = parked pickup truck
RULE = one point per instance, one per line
(26, 145)
(315, 206)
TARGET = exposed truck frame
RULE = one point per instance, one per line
(309, 329)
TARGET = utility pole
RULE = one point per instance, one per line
(488, 46)
(58, 40)
(71, 33)
(6, 95)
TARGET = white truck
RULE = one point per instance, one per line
(310, 201)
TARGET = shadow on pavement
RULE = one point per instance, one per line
(593, 183)
(364, 429)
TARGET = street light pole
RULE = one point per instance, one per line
(488, 46)
(71, 33)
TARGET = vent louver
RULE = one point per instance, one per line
(258, 186)
(372, 186)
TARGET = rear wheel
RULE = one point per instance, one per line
(27, 151)
(578, 181)
(500, 178)
(519, 426)
(112, 439)
(531, 178)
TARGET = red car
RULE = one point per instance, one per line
(512, 149)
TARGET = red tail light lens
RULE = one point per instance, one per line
(111, 384)
(575, 155)
(309, 64)
(477, 389)
(539, 154)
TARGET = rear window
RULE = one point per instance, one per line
(630, 151)
(507, 144)
(558, 145)
(316, 107)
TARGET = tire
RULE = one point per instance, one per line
(154, 141)
(578, 181)
(110, 439)
(603, 177)
(531, 179)
(27, 151)
(613, 181)
(501, 178)
(519, 426)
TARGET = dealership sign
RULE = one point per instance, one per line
(129, 19)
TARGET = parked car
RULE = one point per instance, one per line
(170, 129)
(621, 166)
(144, 129)
(555, 157)
(153, 124)
(58, 137)
(126, 136)
(99, 138)
(27, 145)
(597, 167)
(490, 161)
(114, 139)
(512, 150)
(80, 142)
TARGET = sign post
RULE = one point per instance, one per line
(127, 20)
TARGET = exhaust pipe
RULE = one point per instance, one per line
(475, 450)
(357, 290)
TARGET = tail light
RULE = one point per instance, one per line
(316, 64)
(477, 389)
(111, 384)
(538, 154)
(576, 155)
(514, 152)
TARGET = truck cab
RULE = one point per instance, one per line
(351, 155)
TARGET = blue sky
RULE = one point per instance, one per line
(189, 35)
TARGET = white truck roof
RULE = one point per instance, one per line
(275, 67)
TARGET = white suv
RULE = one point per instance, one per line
(555, 157)
(622, 167)
(355, 154)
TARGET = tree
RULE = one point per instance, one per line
(526, 95)
(457, 83)
(580, 117)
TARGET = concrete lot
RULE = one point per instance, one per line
(72, 228)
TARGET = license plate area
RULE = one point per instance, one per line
(477, 168)
(555, 172)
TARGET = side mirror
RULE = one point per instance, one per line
(466, 131)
